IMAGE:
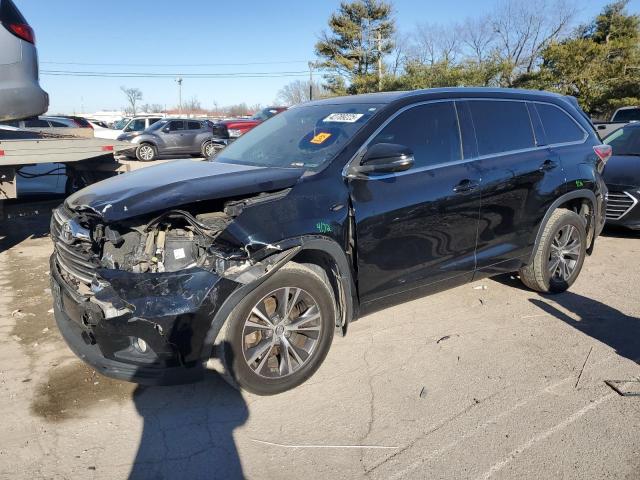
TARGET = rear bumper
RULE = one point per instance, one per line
(22, 101)
(172, 313)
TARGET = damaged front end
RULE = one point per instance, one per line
(139, 299)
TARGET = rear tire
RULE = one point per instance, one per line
(559, 256)
(293, 349)
(146, 152)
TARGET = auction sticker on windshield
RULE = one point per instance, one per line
(320, 138)
(343, 117)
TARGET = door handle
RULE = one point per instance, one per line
(548, 165)
(466, 185)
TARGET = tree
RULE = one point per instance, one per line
(599, 64)
(133, 95)
(192, 105)
(523, 29)
(298, 92)
(361, 35)
(151, 108)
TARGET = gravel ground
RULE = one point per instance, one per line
(485, 381)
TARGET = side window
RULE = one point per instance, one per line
(501, 126)
(176, 125)
(136, 125)
(558, 126)
(193, 126)
(153, 120)
(57, 124)
(36, 123)
(430, 130)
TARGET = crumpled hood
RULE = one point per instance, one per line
(622, 170)
(172, 184)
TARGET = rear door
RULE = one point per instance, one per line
(193, 128)
(417, 227)
(520, 179)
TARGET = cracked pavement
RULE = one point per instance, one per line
(473, 383)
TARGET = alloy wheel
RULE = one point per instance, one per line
(146, 152)
(565, 253)
(281, 332)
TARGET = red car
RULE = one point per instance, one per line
(235, 127)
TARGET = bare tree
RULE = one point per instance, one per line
(524, 28)
(399, 54)
(133, 95)
(477, 37)
(192, 105)
(433, 43)
(298, 92)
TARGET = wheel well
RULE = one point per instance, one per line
(323, 260)
(584, 207)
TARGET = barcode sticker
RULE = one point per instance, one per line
(178, 253)
(344, 117)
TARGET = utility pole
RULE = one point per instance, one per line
(379, 38)
(311, 81)
(179, 80)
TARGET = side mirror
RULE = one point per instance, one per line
(386, 158)
(166, 130)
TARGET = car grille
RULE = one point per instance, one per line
(619, 204)
(75, 257)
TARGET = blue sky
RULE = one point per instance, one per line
(199, 32)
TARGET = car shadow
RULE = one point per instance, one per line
(188, 431)
(620, 232)
(25, 219)
(591, 317)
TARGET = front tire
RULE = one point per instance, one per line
(146, 152)
(208, 149)
(560, 254)
(280, 333)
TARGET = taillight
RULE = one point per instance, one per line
(603, 152)
(107, 148)
(23, 31)
(1, 153)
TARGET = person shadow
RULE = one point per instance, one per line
(591, 317)
(188, 431)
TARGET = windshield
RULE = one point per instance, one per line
(119, 125)
(627, 115)
(625, 141)
(264, 114)
(306, 136)
(157, 125)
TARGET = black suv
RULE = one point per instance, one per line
(321, 214)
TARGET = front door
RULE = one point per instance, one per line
(173, 136)
(417, 227)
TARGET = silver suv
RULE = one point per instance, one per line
(20, 92)
(172, 137)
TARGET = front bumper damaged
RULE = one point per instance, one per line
(170, 312)
(177, 315)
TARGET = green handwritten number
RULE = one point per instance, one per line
(323, 227)
(579, 183)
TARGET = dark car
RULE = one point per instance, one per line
(327, 212)
(171, 137)
(233, 128)
(622, 176)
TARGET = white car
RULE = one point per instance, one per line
(135, 124)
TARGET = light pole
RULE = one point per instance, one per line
(179, 80)
(311, 65)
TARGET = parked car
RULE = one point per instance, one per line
(326, 212)
(20, 92)
(45, 122)
(133, 126)
(622, 175)
(171, 137)
(620, 118)
(233, 128)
